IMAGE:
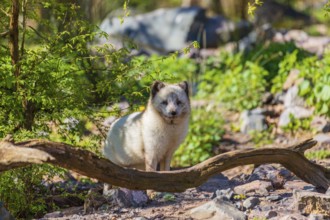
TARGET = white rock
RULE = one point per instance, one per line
(217, 209)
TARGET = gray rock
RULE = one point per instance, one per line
(271, 214)
(274, 198)
(125, 197)
(277, 176)
(259, 187)
(326, 128)
(292, 98)
(214, 183)
(266, 208)
(315, 44)
(296, 35)
(217, 209)
(56, 214)
(251, 202)
(226, 194)
(253, 120)
(311, 202)
(322, 138)
(4, 214)
(298, 112)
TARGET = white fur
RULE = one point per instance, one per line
(144, 140)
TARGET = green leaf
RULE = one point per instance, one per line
(304, 87)
(325, 93)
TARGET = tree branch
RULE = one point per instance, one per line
(4, 34)
(91, 165)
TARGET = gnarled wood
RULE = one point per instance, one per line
(91, 165)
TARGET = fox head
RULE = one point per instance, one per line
(171, 101)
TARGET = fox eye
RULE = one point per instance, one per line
(164, 102)
(178, 102)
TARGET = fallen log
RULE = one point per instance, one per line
(14, 155)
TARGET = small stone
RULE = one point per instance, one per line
(292, 98)
(323, 139)
(273, 198)
(126, 198)
(217, 209)
(266, 208)
(56, 214)
(253, 120)
(270, 214)
(251, 202)
(258, 186)
(226, 194)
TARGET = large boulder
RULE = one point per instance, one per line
(167, 30)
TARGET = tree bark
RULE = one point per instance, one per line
(13, 36)
(89, 164)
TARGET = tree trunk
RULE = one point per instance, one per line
(91, 165)
(13, 36)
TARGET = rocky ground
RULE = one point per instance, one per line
(266, 192)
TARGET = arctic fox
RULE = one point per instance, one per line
(143, 140)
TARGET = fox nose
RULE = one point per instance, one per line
(173, 113)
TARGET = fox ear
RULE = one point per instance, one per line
(184, 85)
(156, 86)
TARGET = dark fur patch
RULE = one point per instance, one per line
(156, 86)
(184, 85)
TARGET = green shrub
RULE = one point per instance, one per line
(205, 132)
(270, 56)
(318, 154)
(237, 84)
(316, 85)
(296, 124)
(24, 194)
(285, 66)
